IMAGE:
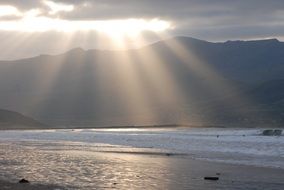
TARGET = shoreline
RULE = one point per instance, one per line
(166, 126)
(139, 159)
(237, 146)
(184, 172)
(140, 127)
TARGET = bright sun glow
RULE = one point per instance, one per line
(57, 7)
(7, 10)
(111, 27)
(40, 20)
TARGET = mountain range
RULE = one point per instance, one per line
(14, 120)
(180, 80)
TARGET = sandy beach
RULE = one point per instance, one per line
(158, 172)
(16, 186)
(95, 170)
(141, 159)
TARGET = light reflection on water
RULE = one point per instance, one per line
(81, 167)
(241, 146)
(132, 129)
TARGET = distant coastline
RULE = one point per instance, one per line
(156, 126)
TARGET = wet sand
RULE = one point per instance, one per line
(140, 160)
(5, 185)
(97, 170)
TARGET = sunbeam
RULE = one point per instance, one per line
(124, 88)
(216, 84)
(166, 94)
(48, 78)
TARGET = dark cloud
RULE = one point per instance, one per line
(209, 19)
(22, 5)
(216, 20)
(94, 9)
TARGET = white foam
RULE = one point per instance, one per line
(244, 146)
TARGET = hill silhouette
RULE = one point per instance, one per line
(14, 120)
(178, 80)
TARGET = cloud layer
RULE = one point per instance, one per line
(189, 16)
(215, 20)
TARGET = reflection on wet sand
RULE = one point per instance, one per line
(83, 169)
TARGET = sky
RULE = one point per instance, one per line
(32, 27)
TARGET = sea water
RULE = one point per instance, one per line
(104, 158)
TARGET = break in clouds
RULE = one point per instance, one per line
(213, 20)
